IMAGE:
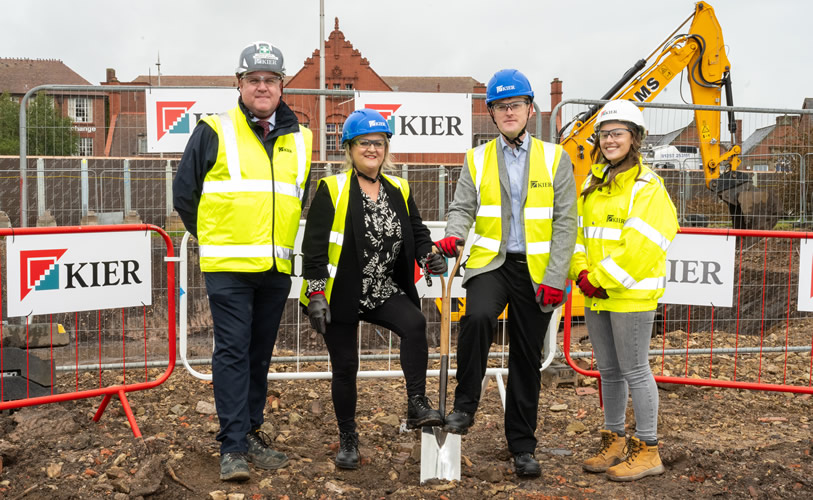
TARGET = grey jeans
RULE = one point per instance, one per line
(620, 345)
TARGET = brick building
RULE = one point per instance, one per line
(345, 69)
(85, 109)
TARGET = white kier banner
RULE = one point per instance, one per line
(805, 297)
(55, 273)
(700, 270)
(173, 113)
(423, 122)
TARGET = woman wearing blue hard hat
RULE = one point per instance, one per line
(362, 238)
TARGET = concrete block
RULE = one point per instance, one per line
(47, 220)
(21, 388)
(559, 373)
(14, 365)
(39, 335)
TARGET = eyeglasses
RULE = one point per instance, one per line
(366, 144)
(513, 106)
(615, 133)
(255, 81)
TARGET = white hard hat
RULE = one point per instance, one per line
(621, 110)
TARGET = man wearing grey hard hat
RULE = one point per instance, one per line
(240, 188)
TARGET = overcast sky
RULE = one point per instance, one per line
(588, 44)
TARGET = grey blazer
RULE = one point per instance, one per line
(463, 210)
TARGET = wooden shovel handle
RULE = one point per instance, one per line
(446, 307)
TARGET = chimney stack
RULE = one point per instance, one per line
(555, 99)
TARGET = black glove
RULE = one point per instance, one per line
(319, 312)
(436, 264)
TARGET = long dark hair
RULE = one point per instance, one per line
(625, 164)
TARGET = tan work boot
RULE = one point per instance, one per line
(611, 453)
(642, 460)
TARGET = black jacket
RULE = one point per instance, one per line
(200, 155)
(346, 294)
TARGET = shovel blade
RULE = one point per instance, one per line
(440, 455)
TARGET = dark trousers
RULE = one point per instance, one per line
(246, 310)
(486, 296)
(401, 316)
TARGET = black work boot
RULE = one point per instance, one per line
(233, 467)
(526, 465)
(261, 454)
(348, 456)
(421, 414)
(458, 422)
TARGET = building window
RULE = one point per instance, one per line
(337, 86)
(333, 133)
(142, 143)
(80, 109)
(86, 146)
(348, 86)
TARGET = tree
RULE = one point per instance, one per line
(48, 132)
(9, 125)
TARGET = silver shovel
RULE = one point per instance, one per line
(440, 451)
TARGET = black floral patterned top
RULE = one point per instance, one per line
(382, 244)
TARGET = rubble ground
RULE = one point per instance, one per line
(714, 442)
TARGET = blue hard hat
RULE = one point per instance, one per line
(508, 83)
(364, 121)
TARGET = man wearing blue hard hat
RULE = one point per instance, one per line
(520, 195)
(362, 239)
(239, 190)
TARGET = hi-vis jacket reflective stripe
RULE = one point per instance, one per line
(538, 210)
(623, 235)
(248, 215)
(338, 186)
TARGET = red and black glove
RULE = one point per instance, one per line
(448, 245)
(549, 296)
(436, 264)
(588, 289)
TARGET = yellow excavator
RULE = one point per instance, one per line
(701, 52)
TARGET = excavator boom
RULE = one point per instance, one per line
(701, 53)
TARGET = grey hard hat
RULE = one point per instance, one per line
(260, 56)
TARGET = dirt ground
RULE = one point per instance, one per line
(714, 442)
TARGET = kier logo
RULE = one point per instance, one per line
(387, 111)
(39, 270)
(172, 117)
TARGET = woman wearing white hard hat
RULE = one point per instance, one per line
(362, 239)
(626, 223)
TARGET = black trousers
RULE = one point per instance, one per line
(246, 310)
(486, 296)
(401, 316)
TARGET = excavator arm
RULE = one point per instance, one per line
(701, 52)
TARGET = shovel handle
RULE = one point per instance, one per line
(446, 307)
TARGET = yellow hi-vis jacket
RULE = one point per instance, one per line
(538, 210)
(339, 188)
(624, 231)
(249, 209)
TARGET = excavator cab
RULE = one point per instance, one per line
(701, 52)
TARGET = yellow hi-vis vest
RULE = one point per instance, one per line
(624, 233)
(338, 186)
(538, 210)
(248, 215)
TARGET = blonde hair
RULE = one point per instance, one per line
(386, 166)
